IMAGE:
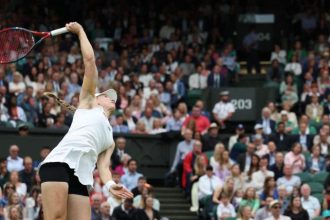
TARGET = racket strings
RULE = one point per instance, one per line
(15, 44)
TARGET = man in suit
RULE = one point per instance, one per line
(217, 78)
(118, 152)
(306, 140)
(267, 123)
(124, 211)
(244, 159)
(281, 139)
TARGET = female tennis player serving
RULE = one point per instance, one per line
(67, 172)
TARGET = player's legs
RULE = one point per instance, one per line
(55, 189)
(78, 207)
(54, 200)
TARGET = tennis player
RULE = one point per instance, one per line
(67, 172)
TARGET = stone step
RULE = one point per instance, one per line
(174, 206)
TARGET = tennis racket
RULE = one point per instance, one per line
(16, 42)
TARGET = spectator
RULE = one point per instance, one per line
(188, 165)
(251, 47)
(23, 130)
(207, 185)
(233, 139)
(118, 152)
(157, 127)
(174, 123)
(16, 113)
(140, 128)
(138, 189)
(278, 166)
(119, 126)
(278, 54)
(198, 80)
(217, 154)
(4, 174)
(143, 214)
(288, 180)
(105, 211)
(183, 148)
(112, 201)
(294, 66)
(245, 213)
(275, 207)
(269, 190)
(275, 74)
(225, 208)
(261, 149)
(314, 110)
(130, 179)
(237, 177)
(201, 122)
(310, 203)
(222, 168)
(303, 138)
(44, 151)
(258, 177)
(316, 162)
(148, 118)
(17, 86)
(217, 78)
(27, 174)
(129, 120)
(280, 138)
(250, 199)
(295, 159)
(295, 210)
(265, 211)
(254, 167)
(139, 200)
(14, 162)
(239, 148)
(96, 207)
(125, 211)
(267, 123)
(271, 152)
(223, 111)
(20, 187)
(211, 138)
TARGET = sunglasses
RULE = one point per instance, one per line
(9, 187)
(276, 207)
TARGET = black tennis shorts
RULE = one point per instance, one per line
(61, 172)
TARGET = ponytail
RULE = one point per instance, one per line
(61, 102)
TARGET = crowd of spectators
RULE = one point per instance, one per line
(154, 55)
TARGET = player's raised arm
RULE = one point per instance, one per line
(91, 75)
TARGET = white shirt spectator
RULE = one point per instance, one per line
(293, 67)
(14, 164)
(311, 205)
(222, 109)
(114, 203)
(289, 184)
(258, 179)
(21, 190)
(145, 79)
(206, 185)
(197, 81)
(226, 210)
(281, 56)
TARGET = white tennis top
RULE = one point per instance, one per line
(89, 135)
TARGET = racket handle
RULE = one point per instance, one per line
(59, 31)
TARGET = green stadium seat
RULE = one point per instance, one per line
(230, 218)
(193, 95)
(320, 177)
(307, 155)
(316, 187)
(209, 154)
(318, 218)
(319, 196)
(305, 177)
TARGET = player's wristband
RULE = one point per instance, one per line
(109, 184)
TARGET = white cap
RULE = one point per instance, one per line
(111, 93)
(258, 126)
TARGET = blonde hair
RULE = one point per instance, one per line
(61, 102)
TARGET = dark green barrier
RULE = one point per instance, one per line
(154, 153)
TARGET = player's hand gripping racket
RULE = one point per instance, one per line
(16, 42)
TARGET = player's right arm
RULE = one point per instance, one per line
(86, 98)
